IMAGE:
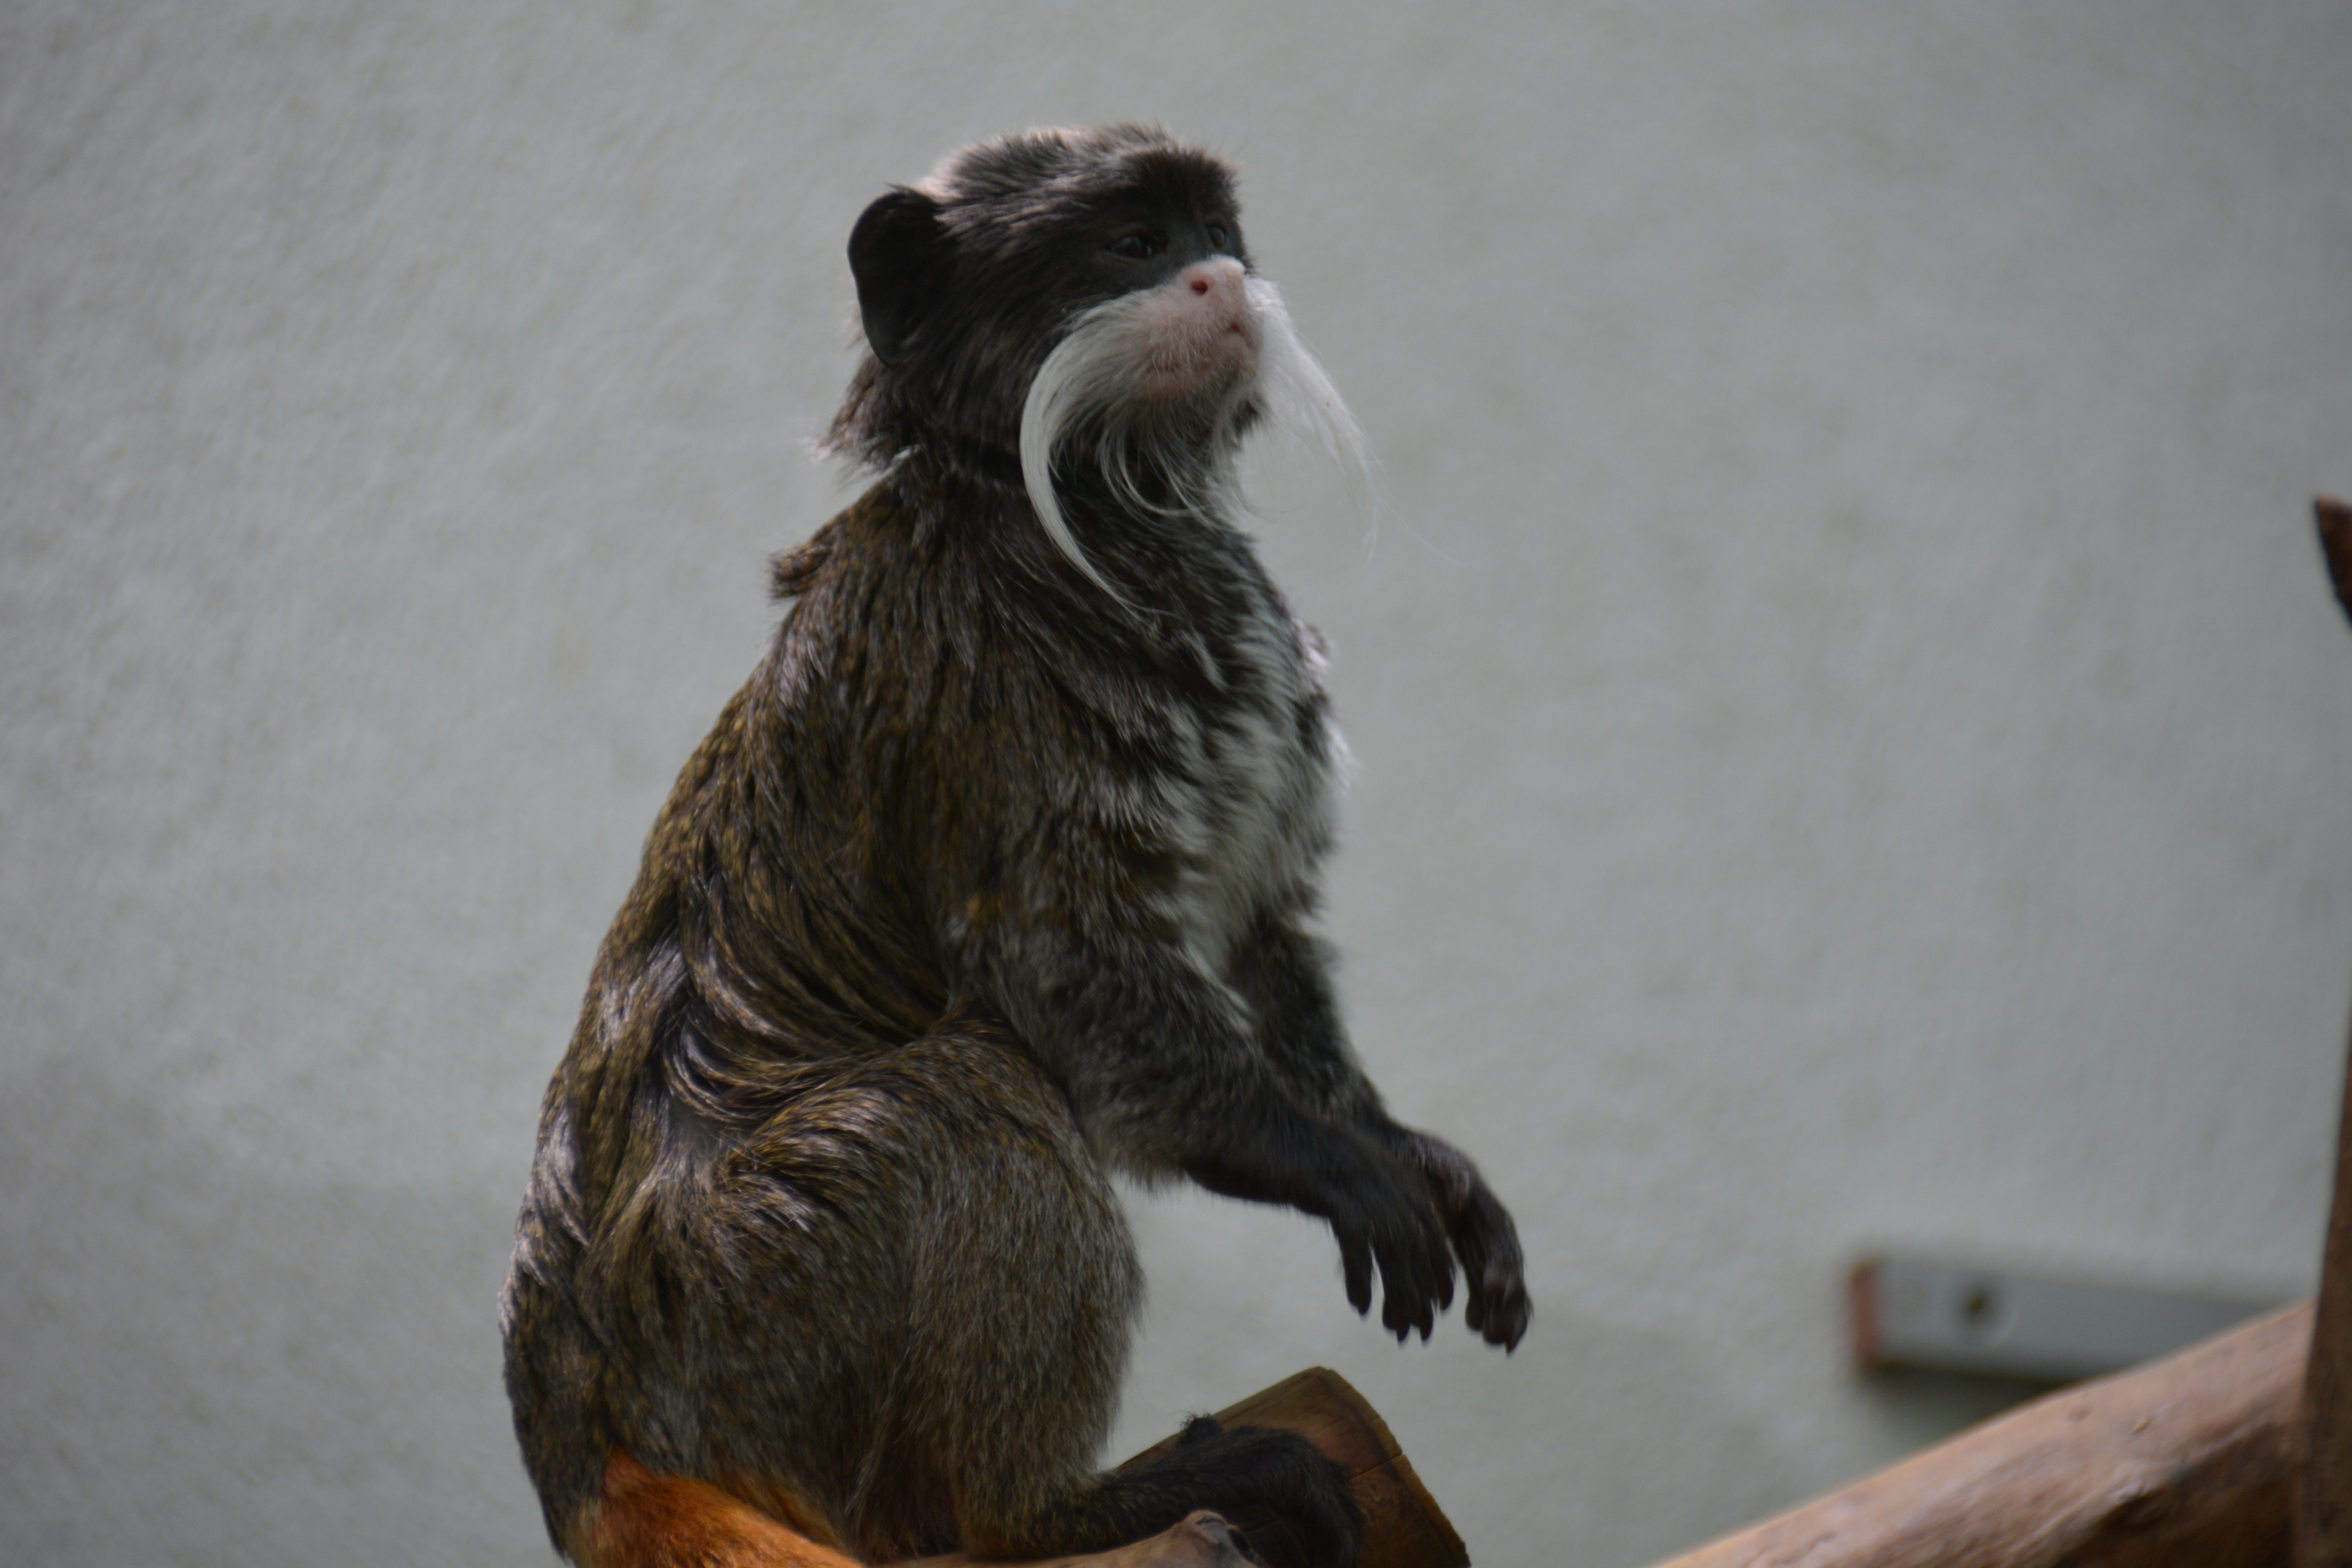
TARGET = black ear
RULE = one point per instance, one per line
(898, 253)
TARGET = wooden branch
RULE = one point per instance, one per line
(2323, 1493)
(1403, 1527)
(2187, 1460)
(2334, 520)
(2323, 1490)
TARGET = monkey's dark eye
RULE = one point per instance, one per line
(1137, 246)
(1220, 237)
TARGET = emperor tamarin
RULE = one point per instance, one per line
(995, 879)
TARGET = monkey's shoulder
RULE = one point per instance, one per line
(934, 594)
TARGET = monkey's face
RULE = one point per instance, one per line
(968, 283)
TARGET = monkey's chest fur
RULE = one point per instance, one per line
(962, 771)
(1247, 802)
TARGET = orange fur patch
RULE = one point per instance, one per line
(650, 1520)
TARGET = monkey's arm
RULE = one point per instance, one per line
(1284, 973)
(1162, 1065)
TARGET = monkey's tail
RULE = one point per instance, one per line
(645, 1520)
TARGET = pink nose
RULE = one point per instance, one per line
(1213, 276)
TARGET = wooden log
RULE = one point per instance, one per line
(2323, 1499)
(2187, 1460)
(2334, 520)
(1403, 1527)
(2323, 1488)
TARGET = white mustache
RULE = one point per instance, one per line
(1088, 383)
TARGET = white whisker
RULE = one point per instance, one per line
(1088, 386)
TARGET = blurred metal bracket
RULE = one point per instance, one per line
(1960, 1318)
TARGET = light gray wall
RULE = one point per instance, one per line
(1855, 742)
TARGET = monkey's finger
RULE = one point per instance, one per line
(1404, 1312)
(1470, 1247)
(1356, 1267)
(1438, 1258)
(1488, 1244)
(1478, 1284)
(1506, 1313)
(1396, 1313)
(1488, 1281)
(1505, 1285)
(1495, 1226)
(1498, 1293)
(1400, 1317)
(1417, 1280)
(1485, 1225)
(1507, 1324)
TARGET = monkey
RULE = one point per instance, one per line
(997, 877)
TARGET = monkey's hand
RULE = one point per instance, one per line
(1380, 1213)
(1371, 1191)
(1494, 1287)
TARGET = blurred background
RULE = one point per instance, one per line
(1854, 737)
